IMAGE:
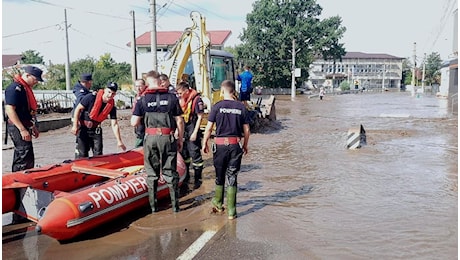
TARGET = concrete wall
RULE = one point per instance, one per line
(51, 124)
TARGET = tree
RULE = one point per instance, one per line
(55, 78)
(78, 67)
(407, 71)
(433, 69)
(267, 40)
(104, 70)
(32, 57)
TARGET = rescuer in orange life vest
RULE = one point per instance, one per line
(193, 107)
(21, 109)
(161, 113)
(88, 116)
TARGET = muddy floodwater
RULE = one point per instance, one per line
(302, 194)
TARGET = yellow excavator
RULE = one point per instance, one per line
(192, 59)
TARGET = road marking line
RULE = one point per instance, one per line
(197, 245)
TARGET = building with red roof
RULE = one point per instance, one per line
(166, 40)
(9, 60)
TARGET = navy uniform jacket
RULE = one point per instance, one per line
(229, 117)
(163, 102)
(15, 95)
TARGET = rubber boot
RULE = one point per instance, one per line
(197, 177)
(231, 201)
(153, 196)
(174, 194)
(187, 173)
(218, 199)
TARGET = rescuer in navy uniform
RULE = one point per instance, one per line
(89, 114)
(231, 120)
(82, 87)
(193, 107)
(162, 115)
(21, 108)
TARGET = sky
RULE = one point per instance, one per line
(96, 27)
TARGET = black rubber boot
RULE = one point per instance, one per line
(187, 173)
(174, 194)
(198, 181)
(153, 196)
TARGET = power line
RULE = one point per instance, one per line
(91, 37)
(31, 31)
(446, 15)
(84, 11)
(206, 10)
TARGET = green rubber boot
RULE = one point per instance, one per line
(218, 199)
(231, 201)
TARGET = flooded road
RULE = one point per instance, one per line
(302, 193)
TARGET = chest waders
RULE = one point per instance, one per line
(160, 153)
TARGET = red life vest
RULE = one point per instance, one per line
(31, 101)
(95, 113)
(155, 90)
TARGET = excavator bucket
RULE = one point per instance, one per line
(266, 105)
(262, 110)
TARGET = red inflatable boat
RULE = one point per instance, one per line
(71, 198)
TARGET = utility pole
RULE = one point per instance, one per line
(133, 48)
(67, 63)
(153, 34)
(383, 77)
(423, 73)
(415, 65)
(293, 71)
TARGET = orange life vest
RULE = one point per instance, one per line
(188, 105)
(96, 114)
(31, 101)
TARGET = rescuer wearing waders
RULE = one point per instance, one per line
(87, 119)
(193, 107)
(162, 114)
(21, 108)
(231, 120)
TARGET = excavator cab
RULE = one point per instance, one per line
(221, 68)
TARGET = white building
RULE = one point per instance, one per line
(361, 70)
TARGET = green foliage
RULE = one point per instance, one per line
(344, 85)
(433, 65)
(407, 71)
(433, 69)
(55, 77)
(272, 27)
(104, 70)
(120, 104)
(32, 57)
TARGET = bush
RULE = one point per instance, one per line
(120, 104)
(344, 85)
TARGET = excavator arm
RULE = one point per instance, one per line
(194, 43)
